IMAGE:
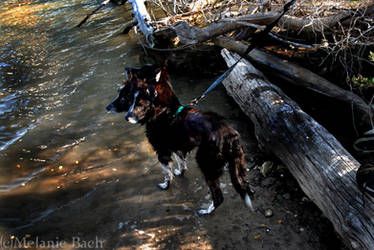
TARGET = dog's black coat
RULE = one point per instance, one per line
(149, 96)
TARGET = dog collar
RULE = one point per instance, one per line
(179, 110)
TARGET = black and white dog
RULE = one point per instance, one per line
(148, 98)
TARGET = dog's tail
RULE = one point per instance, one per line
(237, 169)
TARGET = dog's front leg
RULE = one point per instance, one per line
(167, 166)
(166, 169)
(181, 162)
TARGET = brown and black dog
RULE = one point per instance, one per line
(148, 98)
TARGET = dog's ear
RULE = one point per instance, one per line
(152, 92)
(162, 72)
(162, 76)
(158, 75)
(130, 73)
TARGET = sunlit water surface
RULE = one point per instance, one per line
(55, 80)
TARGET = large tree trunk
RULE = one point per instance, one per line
(322, 167)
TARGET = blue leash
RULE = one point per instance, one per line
(211, 87)
(215, 83)
(256, 38)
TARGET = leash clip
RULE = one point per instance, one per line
(196, 100)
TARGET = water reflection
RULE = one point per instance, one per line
(50, 74)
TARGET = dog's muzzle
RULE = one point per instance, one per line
(131, 118)
(111, 108)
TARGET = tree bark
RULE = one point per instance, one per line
(323, 168)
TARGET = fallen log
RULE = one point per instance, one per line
(143, 20)
(323, 168)
(300, 76)
(129, 25)
(93, 12)
(117, 2)
(189, 34)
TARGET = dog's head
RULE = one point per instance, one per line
(139, 92)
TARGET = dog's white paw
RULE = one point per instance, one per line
(248, 202)
(164, 185)
(208, 210)
(178, 172)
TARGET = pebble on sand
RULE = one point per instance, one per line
(268, 213)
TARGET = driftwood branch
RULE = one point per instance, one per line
(93, 12)
(323, 168)
(309, 25)
(189, 35)
(129, 25)
(143, 19)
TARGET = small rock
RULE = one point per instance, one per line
(151, 235)
(266, 168)
(287, 196)
(305, 199)
(268, 181)
(301, 229)
(141, 232)
(281, 167)
(268, 213)
(186, 208)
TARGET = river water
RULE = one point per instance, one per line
(55, 79)
(69, 170)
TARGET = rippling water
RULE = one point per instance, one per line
(55, 79)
